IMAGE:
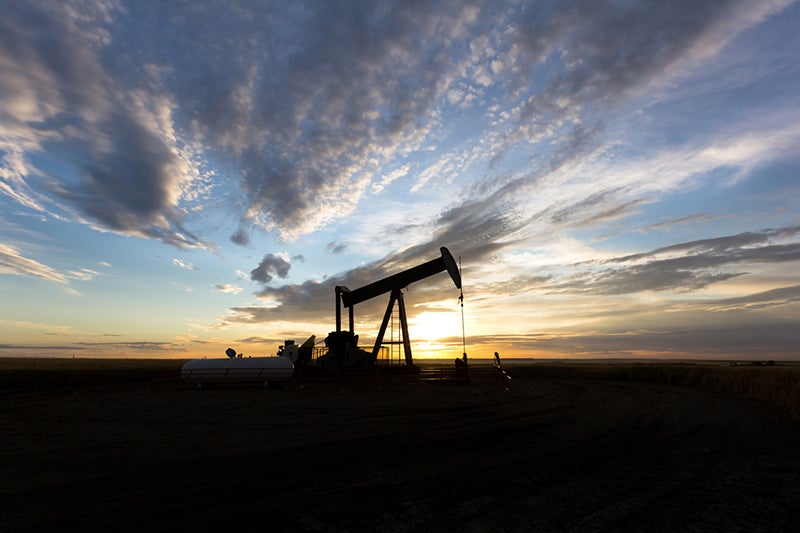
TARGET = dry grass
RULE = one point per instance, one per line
(19, 372)
(778, 385)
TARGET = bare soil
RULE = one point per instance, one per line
(552, 455)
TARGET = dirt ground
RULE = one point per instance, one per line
(553, 455)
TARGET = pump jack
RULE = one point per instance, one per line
(394, 285)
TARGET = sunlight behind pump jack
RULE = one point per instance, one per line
(432, 326)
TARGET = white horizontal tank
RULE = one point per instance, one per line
(238, 370)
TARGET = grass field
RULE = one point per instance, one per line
(777, 385)
(33, 372)
(98, 445)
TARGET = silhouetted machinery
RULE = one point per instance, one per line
(343, 350)
(342, 345)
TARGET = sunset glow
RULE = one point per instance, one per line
(617, 179)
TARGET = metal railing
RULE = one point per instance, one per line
(473, 373)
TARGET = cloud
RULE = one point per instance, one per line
(669, 225)
(127, 169)
(146, 346)
(682, 267)
(307, 302)
(388, 179)
(696, 340)
(84, 274)
(45, 330)
(740, 247)
(312, 106)
(582, 185)
(313, 300)
(228, 288)
(183, 264)
(335, 248)
(779, 297)
(607, 50)
(270, 267)
(12, 262)
(240, 237)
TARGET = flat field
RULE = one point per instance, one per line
(579, 447)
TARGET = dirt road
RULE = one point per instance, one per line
(554, 455)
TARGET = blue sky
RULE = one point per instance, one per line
(619, 178)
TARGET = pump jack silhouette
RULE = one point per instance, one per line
(393, 285)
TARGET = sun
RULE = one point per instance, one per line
(431, 326)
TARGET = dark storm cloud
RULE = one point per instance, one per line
(270, 267)
(683, 267)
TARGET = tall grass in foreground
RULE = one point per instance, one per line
(19, 372)
(777, 385)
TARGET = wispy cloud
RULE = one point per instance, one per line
(335, 248)
(683, 267)
(392, 176)
(84, 274)
(228, 288)
(182, 287)
(183, 264)
(147, 346)
(779, 297)
(13, 262)
(35, 327)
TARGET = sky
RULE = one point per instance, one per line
(618, 178)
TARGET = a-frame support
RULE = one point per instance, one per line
(396, 296)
